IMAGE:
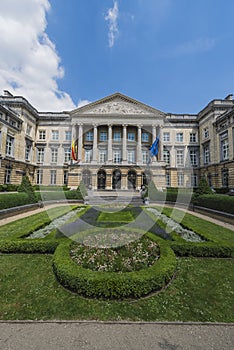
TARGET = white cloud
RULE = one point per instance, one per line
(112, 17)
(29, 63)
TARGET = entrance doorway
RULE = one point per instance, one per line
(116, 180)
(146, 178)
(132, 179)
(101, 175)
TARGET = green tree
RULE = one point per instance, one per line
(203, 187)
(27, 187)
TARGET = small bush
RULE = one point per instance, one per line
(216, 202)
(10, 200)
(207, 249)
(27, 187)
(203, 187)
(28, 246)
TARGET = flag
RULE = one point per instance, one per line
(73, 150)
(154, 147)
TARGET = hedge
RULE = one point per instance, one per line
(59, 195)
(216, 202)
(111, 284)
(207, 249)
(28, 246)
(10, 200)
(50, 188)
(8, 188)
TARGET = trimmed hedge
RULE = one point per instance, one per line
(28, 246)
(207, 249)
(59, 195)
(50, 188)
(217, 202)
(10, 200)
(9, 188)
(111, 284)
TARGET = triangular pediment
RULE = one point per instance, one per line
(117, 104)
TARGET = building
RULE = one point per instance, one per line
(112, 140)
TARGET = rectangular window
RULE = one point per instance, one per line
(145, 157)
(117, 156)
(89, 136)
(67, 154)
(168, 180)
(206, 133)
(224, 150)
(88, 155)
(193, 157)
(194, 180)
(103, 136)
(42, 134)
(54, 155)
(102, 156)
(53, 177)
(180, 158)
(117, 136)
(166, 155)
(193, 137)
(55, 135)
(206, 154)
(39, 176)
(7, 175)
(131, 156)
(179, 137)
(40, 154)
(68, 135)
(131, 136)
(180, 179)
(166, 137)
(28, 148)
(65, 177)
(225, 181)
(10, 146)
(145, 137)
(29, 129)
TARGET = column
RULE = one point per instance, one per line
(110, 143)
(124, 144)
(95, 143)
(80, 142)
(160, 150)
(139, 150)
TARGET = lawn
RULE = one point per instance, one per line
(202, 291)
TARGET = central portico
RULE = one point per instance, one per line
(113, 137)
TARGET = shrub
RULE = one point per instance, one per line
(50, 188)
(111, 284)
(58, 195)
(207, 249)
(27, 187)
(28, 246)
(8, 188)
(216, 202)
(203, 187)
(10, 200)
(81, 189)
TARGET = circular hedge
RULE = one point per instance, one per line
(111, 284)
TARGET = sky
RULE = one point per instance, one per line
(174, 55)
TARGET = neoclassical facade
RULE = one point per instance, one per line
(112, 140)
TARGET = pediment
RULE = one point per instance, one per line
(117, 104)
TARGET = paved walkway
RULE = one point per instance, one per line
(115, 336)
(46, 207)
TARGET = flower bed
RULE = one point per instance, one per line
(112, 284)
(133, 256)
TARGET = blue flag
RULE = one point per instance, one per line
(154, 147)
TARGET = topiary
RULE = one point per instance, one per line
(27, 187)
(203, 187)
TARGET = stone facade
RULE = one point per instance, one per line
(112, 138)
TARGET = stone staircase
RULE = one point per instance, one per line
(113, 198)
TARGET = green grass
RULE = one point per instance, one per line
(202, 291)
(205, 228)
(30, 224)
(122, 216)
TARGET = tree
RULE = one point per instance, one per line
(27, 187)
(203, 187)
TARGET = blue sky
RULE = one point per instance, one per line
(175, 55)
